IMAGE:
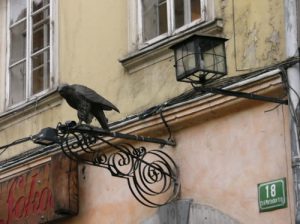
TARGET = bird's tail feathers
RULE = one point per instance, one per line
(100, 116)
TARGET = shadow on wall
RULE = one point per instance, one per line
(187, 212)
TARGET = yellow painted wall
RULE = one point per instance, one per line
(256, 33)
(93, 36)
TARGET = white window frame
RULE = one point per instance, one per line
(171, 22)
(52, 56)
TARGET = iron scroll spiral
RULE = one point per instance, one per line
(152, 176)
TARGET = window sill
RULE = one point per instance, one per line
(23, 112)
(159, 51)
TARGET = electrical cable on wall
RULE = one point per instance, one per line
(19, 141)
(159, 109)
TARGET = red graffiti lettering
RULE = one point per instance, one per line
(32, 202)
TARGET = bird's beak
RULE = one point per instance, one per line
(60, 87)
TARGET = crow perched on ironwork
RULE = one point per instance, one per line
(87, 102)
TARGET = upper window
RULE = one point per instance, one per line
(29, 40)
(161, 18)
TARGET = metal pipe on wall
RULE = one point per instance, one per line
(293, 77)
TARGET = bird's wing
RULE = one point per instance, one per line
(94, 97)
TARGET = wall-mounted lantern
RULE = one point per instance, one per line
(200, 59)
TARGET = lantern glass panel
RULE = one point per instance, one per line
(200, 59)
(214, 59)
(186, 61)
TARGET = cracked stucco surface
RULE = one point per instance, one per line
(89, 52)
(255, 30)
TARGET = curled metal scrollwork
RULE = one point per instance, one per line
(152, 175)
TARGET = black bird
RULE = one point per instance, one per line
(87, 102)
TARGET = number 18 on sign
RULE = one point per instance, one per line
(272, 195)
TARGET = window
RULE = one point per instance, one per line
(161, 18)
(29, 38)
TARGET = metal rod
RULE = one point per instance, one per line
(99, 131)
(250, 96)
(19, 141)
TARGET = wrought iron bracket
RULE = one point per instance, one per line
(250, 96)
(91, 130)
(152, 175)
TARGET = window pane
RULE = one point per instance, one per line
(163, 20)
(40, 72)
(37, 4)
(179, 13)
(40, 38)
(17, 83)
(40, 30)
(186, 11)
(40, 82)
(195, 10)
(154, 18)
(18, 42)
(17, 10)
(41, 16)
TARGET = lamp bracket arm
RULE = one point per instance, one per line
(250, 96)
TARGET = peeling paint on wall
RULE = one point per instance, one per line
(258, 33)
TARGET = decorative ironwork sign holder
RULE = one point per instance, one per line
(152, 176)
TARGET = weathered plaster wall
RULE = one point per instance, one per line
(256, 33)
(25, 126)
(93, 35)
(223, 170)
(255, 30)
(220, 170)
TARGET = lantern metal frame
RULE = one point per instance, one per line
(191, 52)
(196, 50)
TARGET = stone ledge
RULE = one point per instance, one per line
(179, 116)
(160, 51)
(29, 109)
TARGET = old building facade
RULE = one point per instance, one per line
(230, 151)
